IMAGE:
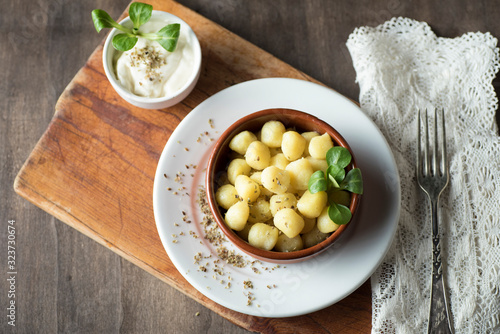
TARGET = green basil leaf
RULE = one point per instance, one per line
(338, 173)
(103, 20)
(339, 156)
(339, 214)
(353, 181)
(168, 36)
(140, 13)
(124, 42)
(317, 182)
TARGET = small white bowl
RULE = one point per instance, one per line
(150, 102)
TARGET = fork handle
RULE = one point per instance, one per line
(439, 316)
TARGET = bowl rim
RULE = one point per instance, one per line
(108, 50)
(231, 131)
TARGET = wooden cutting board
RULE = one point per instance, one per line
(94, 168)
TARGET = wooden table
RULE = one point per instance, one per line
(67, 282)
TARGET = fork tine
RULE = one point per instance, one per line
(426, 146)
(444, 157)
(419, 152)
(435, 166)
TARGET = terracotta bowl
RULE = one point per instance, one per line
(219, 160)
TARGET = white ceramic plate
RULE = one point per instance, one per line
(291, 289)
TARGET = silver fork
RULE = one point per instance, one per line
(433, 176)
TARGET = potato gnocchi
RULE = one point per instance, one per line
(265, 193)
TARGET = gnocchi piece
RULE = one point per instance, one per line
(257, 155)
(257, 177)
(309, 224)
(318, 146)
(247, 189)
(341, 197)
(325, 224)
(263, 236)
(226, 196)
(314, 237)
(311, 205)
(318, 164)
(237, 167)
(300, 172)
(289, 222)
(293, 145)
(272, 133)
(308, 136)
(260, 211)
(240, 142)
(286, 244)
(282, 201)
(237, 216)
(275, 179)
(279, 160)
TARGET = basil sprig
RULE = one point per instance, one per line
(338, 158)
(139, 14)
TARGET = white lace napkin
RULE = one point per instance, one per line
(401, 66)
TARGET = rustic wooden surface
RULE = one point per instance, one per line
(67, 282)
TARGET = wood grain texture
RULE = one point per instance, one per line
(69, 283)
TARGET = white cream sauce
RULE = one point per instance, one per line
(151, 71)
